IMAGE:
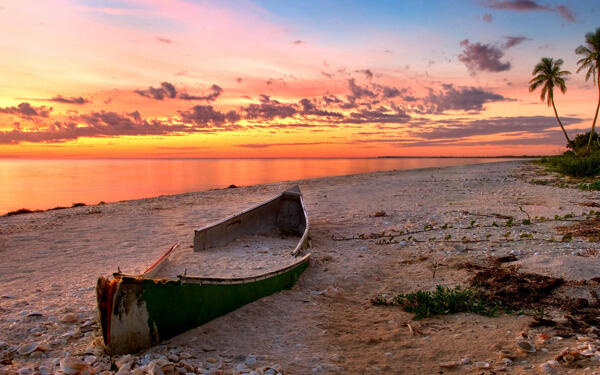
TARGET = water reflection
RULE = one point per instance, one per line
(42, 184)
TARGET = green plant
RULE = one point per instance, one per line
(509, 222)
(567, 238)
(547, 75)
(441, 301)
(526, 221)
(591, 62)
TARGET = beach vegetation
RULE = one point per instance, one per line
(590, 63)
(548, 75)
(442, 301)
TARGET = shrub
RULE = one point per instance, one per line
(442, 301)
(578, 167)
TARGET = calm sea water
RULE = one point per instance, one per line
(42, 184)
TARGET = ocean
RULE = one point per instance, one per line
(42, 184)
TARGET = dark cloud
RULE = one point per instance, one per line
(205, 116)
(367, 72)
(73, 100)
(487, 18)
(566, 13)
(512, 41)
(480, 57)
(380, 115)
(452, 98)
(164, 40)
(213, 95)
(452, 129)
(328, 75)
(517, 5)
(27, 110)
(96, 124)
(166, 90)
(267, 145)
(298, 41)
(359, 91)
(530, 5)
(309, 108)
(269, 109)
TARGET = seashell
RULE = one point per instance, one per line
(124, 360)
(481, 364)
(72, 366)
(588, 353)
(525, 346)
(26, 349)
(449, 364)
(506, 354)
(68, 318)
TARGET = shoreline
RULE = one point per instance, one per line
(51, 261)
(26, 210)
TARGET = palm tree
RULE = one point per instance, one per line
(547, 74)
(591, 62)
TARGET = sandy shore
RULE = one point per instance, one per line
(51, 260)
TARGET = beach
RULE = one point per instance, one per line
(361, 248)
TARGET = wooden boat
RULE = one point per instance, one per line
(137, 312)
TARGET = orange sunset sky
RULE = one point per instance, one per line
(178, 79)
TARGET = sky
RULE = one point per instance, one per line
(272, 78)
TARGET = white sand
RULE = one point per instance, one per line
(50, 262)
(245, 256)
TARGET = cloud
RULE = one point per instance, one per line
(517, 5)
(269, 109)
(165, 90)
(452, 98)
(379, 115)
(268, 145)
(512, 41)
(487, 18)
(164, 40)
(452, 129)
(566, 13)
(213, 95)
(168, 90)
(26, 110)
(479, 57)
(205, 116)
(73, 100)
(298, 41)
(95, 124)
(309, 108)
(530, 5)
(367, 72)
(359, 91)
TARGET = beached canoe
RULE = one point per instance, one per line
(233, 262)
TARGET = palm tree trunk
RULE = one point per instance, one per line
(560, 123)
(596, 115)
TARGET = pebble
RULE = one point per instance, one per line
(90, 359)
(449, 364)
(481, 364)
(251, 361)
(34, 314)
(27, 348)
(68, 318)
(8, 296)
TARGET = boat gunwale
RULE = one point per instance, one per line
(184, 279)
(217, 280)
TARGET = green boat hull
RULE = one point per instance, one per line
(137, 312)
(148, 311)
